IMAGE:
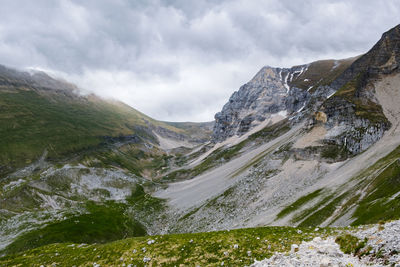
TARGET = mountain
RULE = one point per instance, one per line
(286, 153)
(65, 155)
(271, 91)
(41, 114)
(313, 145)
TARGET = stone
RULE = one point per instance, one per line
(317, 239)
(266, 94)
(325, 262)
(294, 248)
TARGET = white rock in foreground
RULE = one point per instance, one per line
(317, 252)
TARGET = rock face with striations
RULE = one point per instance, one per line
(343, 90)
(266, 94)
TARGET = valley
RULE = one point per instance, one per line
(296, 153)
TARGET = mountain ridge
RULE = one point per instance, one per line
(29, 102)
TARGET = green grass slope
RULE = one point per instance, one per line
(35, 118)
(321, 72)
(379, 200)
(233, 248)
(102, 223)
(95, 223)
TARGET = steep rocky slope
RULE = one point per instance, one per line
(355, 105)
(274, 90)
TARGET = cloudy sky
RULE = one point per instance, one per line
(180, 60)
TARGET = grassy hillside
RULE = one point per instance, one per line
(82, 220)
(102, 223)
(232, 248)
(321, 72)
(31, 123)
(34, 119)
(198, 130)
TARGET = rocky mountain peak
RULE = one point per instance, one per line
(276, 90)
(383, 58)
(264, 96)
(387, 56)
(272, 91)
(391, 39)
(264, 75)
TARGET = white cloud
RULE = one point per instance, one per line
(181, 60)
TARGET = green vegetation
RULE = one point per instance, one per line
(142, 202)
(18, 199)
(199, 130)
(298, 203)
(235, 248)
(214, 159)
(382, 201)
(307, 212)
(350, 244)
(380, 184)
(82, 221)
(334, 152)
(102, 223)
(190, 213)
(225, 154)
(131, 157)
(35, 120)
(321, 72)
(364, 107)
(324, 213)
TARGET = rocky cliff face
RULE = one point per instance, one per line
(354, 107)
(341, 89)
(268, 93)
(274, 90)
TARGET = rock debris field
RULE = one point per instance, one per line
(383, 246)
(384, 242)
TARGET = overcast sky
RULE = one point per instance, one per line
(180, 60)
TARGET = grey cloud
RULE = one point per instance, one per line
(177, 59)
